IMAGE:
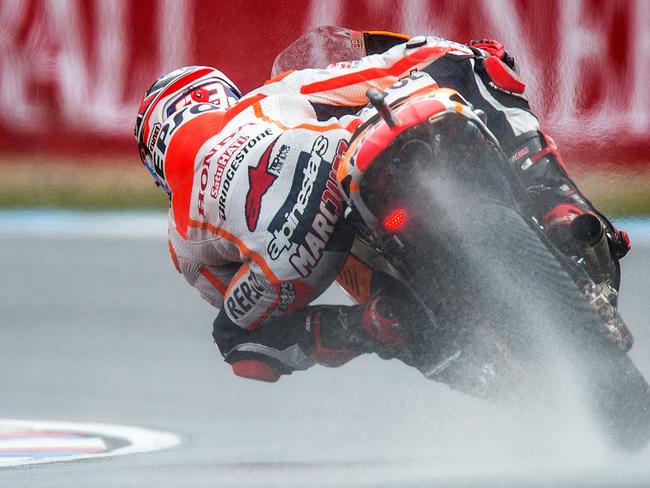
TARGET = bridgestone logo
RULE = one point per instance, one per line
(282, 237)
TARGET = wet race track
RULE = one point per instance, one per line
(99, 328)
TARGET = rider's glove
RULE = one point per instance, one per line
(382, 324)
(494, 48)
(338, 333)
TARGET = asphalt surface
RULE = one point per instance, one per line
(102, 329)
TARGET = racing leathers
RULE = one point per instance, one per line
(256, 221)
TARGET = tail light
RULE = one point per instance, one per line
(396, 219)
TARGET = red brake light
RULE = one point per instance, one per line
(396, 219)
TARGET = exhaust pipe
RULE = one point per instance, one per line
(589, 233)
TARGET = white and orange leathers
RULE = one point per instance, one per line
(255, 219)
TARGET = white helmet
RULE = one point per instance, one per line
(171, 93)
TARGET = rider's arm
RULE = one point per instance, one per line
(250, 329)
(347, 83)
(210, 281)
(330, 335)
(265, 329)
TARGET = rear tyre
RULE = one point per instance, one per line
(489, 267)
(479, 266)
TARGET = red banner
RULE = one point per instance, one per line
(72, 71)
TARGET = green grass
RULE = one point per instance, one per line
(620, 192)
(109, 199)
(95, 184)
(623, 207)
(122, 183)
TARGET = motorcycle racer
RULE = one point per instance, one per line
(256, 219)
(254, 206)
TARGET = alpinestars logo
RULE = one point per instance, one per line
(260, 179)
(317, 238)
(289, 225)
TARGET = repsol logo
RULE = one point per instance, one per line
(168, 129)
(286, 227)
(229, 174)
(244, 297)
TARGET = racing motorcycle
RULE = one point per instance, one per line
(494, 309)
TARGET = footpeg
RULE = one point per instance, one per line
(600, 297)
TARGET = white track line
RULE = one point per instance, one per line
(78, 224)
(140, 439)
(132, 224)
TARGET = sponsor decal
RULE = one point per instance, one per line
(224, 158)
(290, 224)
(211, 90)
(203, 181)
(154, 135)
(496, 87)
(229, 173)
(244, 296)
(310, 251)
(287, 295)
(221, 164)
(278, 161)
(260, 179)
(168, 129)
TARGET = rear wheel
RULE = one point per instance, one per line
(489, 271)
(482, 270)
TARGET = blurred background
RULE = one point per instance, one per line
(72, 73)
(95, 325)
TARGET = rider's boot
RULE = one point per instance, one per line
(560, 229)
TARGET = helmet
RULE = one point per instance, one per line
(170, 94)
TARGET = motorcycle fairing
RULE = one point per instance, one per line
(431, 104)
